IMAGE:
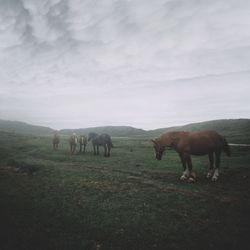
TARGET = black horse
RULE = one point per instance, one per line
(101, 140)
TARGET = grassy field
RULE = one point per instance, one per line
(53, 200)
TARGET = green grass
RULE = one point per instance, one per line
(53, 200)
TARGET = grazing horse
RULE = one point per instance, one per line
(83, 142)
(101, 140)
(55, 141)
(199, 143)
(73, 143)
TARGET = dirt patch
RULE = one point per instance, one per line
(20, 167)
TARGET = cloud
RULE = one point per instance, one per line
(112, 61)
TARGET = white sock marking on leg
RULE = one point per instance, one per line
(185, 174)
(216, 175)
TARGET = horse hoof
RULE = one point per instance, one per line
(209, 176)
(191, 180)
(214, 178)
(183, 177)
(193, 175)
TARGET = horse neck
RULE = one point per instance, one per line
(92, 136)
(73, 139)
(166, 140)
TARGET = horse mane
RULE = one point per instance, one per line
(169, 138)
(92, 136)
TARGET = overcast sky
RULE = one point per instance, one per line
(143, 63)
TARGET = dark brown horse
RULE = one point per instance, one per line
(73, 143)
(83, 142)
(200, 143)
(55, 141)
(101, 140)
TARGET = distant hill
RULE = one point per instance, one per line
(28, 129)
(117, 131)
(24, 128)
(236, 130)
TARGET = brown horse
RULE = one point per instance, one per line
(83, 142)
(73, 143)
(200, 143)
(55, 141)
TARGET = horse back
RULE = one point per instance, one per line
(200, 143)
(105, 139)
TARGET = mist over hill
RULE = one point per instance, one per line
(24, 128)
(110, 62)
(118, 131)
(237, 130)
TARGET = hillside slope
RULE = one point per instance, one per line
(24, 128)
(236, 130)
(118, 131)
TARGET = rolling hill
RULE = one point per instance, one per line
(236, 130)
(117, 131)
(24, 128)
(28, 129)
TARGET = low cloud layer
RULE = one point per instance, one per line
(149, 64)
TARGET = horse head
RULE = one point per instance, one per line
(159, 149)
(92, 136)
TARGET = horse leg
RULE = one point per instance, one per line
(97, 149)
(105, 150)
(211, 165)
(186, 161)
(109, 146)
(217, 166)
(185, 170)
(84, 148)
(190, 169)
(183, 177)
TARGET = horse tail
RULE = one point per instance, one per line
(226, 147)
